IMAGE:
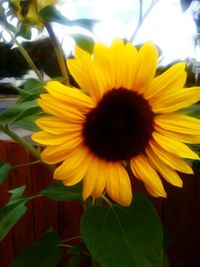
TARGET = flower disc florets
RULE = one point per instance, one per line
(120, 126)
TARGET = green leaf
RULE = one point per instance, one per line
(194, 111)
(165, 261)
(87, 24)
(32, 88)
(58, 191)
(119, 236)
(19, 111)
(4, 171)
(84, 42)
(28, 123)
(74, 261)
(185, 4)
(196, 167)
(25, 31)
(51, 14)
(43, 253)
(12, 211)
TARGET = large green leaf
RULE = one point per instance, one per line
(43, 253)
(51, 14)
(12, 211)
(58, 191)
(4, 171)
(19, 110)
(119, 236)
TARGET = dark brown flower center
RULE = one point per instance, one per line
(120, 127)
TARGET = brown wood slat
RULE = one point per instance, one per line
(6, 246)
(23, 232)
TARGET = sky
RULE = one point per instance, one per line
(166, 25)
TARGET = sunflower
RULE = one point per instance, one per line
(28, 10)
(121, 116)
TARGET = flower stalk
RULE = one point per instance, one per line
(58, 51)
(142, 17)
(22, 142)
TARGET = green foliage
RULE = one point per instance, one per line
(76, 254)
(196, 166)
(194, 111)
(43, 253)
(74, 261)
(32, 88)
(19, 111)
(185, 4)
(58, 191)
(119, 236)
(24, 31)
(12, 211)
(4, 171)
(84, 42)
(51, 14)
(28, 123)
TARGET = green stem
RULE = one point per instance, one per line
(34, 196)
(29, 60)
(26, 164)
(59, 53)
(33, 151)
(23, 52)
(142, 18)
(107, 201)
(71, 238)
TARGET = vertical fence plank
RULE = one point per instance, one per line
(23, 232)
(45, 210)
(182, 219)
(6, 246)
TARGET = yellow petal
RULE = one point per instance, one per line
(184, 138)
(71, 96)
(103, 58)
(131, 64)
(172, 146)
(170, 159)
(55, 154)
(94, 181)
(179, 123)
(58, 109)
(118, 62)
(45, 138)
(118, 184)
(144, 171)
(112, 61)
(88, 75)
(171, 79)
(166, 172)
(74, 167)
(57, 126)
(147, 62)
(175, 100)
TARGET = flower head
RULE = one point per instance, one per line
(27, 10)
(123, 113)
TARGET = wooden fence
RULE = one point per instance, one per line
(180, 212)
